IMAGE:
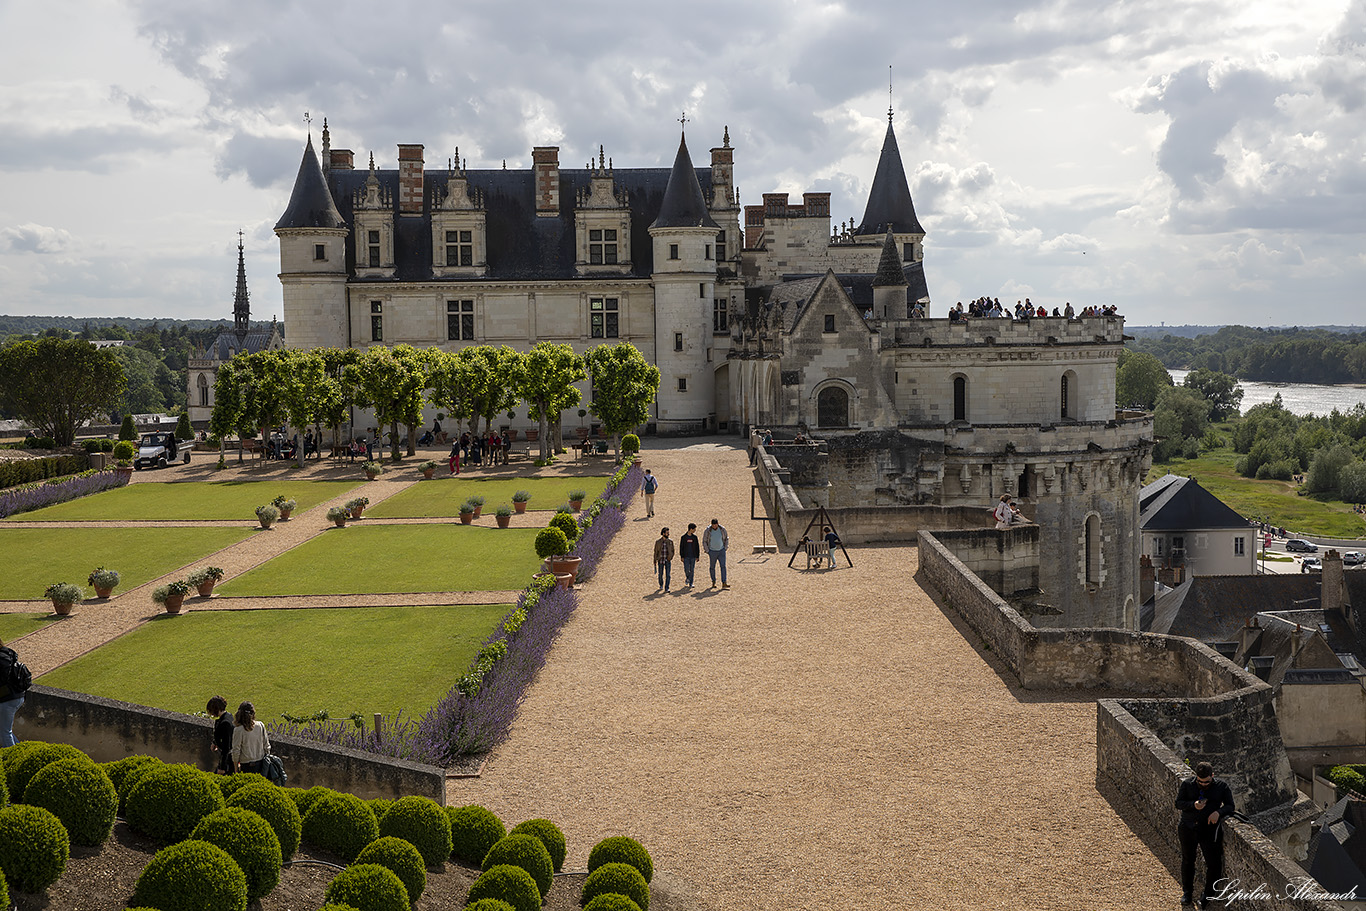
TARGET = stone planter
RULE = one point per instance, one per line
(126, 471)
(103, 592)
(503, 521)
(206, 589)
(174, 603)
(466, 518)
(519, 507)
(511, 434)
(62, 609)
(566, 565)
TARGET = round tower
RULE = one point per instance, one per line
(313, 260)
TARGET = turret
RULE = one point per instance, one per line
(889, 285)
(313, 260)
(889, 202)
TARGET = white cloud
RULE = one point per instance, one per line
(31, 238)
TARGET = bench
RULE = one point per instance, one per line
(816, 551)
(250, 446)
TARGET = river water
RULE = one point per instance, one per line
(1298, 398)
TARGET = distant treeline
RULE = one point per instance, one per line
(1193, 331)
(30, 325)
(1294, 355)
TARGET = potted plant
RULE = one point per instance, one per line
(205, 579)
(562, 562)
(103, 581)
(466, 513)
(356, 506)
(285, 505)
(338, 516)
(533, 434)
(372, 470)
(171, 595)
(576, 499)
(267, 515)
(512, 431)
(428, 468)
(519, 500)
(552, 545)
(504, 515)
(478, 504)
(63, 595)
(123, 457)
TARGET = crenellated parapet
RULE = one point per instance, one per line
(1044, 331)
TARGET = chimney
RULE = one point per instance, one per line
(1146, 579)
(410, 179)
(722, 173)
(545, 162)
(343, 160)
(817, 205)
(1332, 594)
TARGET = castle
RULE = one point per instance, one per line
(787, 323)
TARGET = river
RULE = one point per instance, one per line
(1298, 398)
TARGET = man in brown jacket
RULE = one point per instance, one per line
(664, 555)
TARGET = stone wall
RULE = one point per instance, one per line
(1006, 560)
(106, 729)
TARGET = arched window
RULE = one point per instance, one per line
(203, 391)
(832, 407)
(960, 398)
(1093, 550)
(1068, 396)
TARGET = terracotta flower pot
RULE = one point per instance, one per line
(569, 565)
(576, 505)
(265, 523)
(519, 507)
(340, 523)
(206, 588)
(503, 521)
(285, 514)
(466, 518)
(174, 604)
(427, 474)
(62, 609)
(564, 580)
(477, 511)
(356, 512)
(103, 592)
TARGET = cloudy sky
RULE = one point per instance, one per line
(1192, 162)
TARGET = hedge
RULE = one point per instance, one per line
(192, 876)
(34, 847)
(24, 471)
(80, 794)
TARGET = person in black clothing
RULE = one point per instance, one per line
(222, 733)
(689, 550)
(1204, 801)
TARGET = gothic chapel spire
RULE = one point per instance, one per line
(241, 301)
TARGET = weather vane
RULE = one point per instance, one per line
(308, 120)
(889, 93)
(684, 119)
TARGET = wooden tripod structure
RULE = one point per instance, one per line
(822, 519)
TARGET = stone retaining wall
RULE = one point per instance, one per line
(106, 729)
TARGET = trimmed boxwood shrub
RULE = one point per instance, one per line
(10, 756)
(508, 883)
(550, 836)
(250, 841)
(567, 524)
(380, 806)
(272, 805)
(620, 849)
(490, 904)
(623, 879)
(630, 445)
(368, 887)
(80, 794)
(120, 769)
(527, 852)
(551, 541)
(168, 801)
(611, 901)
(4, 785)
(304, 800)
(33, 759)
(473, 831)
(340, 824)
(421, 822)
(230, 784)
(192, 876)
(401, 857)
(332, 906)
(34, 847)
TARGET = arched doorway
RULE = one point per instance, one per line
(832, 407)
(721, 391)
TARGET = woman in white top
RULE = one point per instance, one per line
(249, 741)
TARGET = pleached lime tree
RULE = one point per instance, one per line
(392, 382)
(546, 383)
(300, 377)
(624, 387)
(494, 373)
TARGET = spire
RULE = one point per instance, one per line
(311, 204)
(683, 205)
(889, 202)
(889, 271)
(241, 302)
(327, 147)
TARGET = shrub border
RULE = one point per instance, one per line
(28, 497)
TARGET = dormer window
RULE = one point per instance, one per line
(459, 248)
(602, 247)
(721, 247)
(372, 241)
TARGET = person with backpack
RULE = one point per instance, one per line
(15, 679)
(250, 743)
(650, 485)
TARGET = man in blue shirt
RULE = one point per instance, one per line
(715, 541)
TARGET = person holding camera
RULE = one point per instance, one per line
(1204, 802)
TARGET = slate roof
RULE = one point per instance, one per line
(889, 202)
(684, 205)
(889, 269)
(521, 245)
(1337, 855)
(1173, 503)
(1214, 608)
(228, 343)
(858, 285)
(310, 205)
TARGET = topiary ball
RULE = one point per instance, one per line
(34, 847)
(368, 887)
(168, 801)
(380, 805)
(304, 800)
(623, 879)
(10, 756)
(231, 784)
(401, 857)
(507, 883)
(340, 824)
(125, 772)
(567, 524)
(550, 836)
(33, 759)
(423, 823)
(490, 904)
(250, 841)
(623, 850)
(473, 831)
(272, 805)
(4, 784)
(332, 906)
(80, 794)
(611, 901)
(527, 852)
(192, 876)
(550, 541)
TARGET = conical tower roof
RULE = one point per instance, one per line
(889, 202)
(311, 204)
(889, 271)
(241, 301)
(684, 205)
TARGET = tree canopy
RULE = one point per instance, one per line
(549, 372)
(1139, 379)
(624, 387)
(59, 384)
(1221, 391)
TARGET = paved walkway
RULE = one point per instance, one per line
(806, 739)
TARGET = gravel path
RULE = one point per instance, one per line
(806, 739)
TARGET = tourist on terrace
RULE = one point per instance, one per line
(1204, 802)
(250, 743)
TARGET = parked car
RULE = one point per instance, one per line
(1311, 565)
(1299, 545)
(1353, 558)
(160, 449)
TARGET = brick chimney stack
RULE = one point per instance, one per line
(343, 160)
(546, 164)
(410, 179)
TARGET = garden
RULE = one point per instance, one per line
(195, 501)
(443, 498)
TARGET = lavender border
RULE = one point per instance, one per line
(29, 497)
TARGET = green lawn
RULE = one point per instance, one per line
(12, 626)
(1278, 502)
(442, 496)
(363, 660)
(37, 557)
(397, 558)
(188, 500)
